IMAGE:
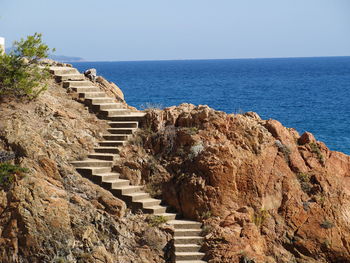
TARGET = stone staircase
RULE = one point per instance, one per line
(98, 166)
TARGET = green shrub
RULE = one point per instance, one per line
(259, 217)
(156, 220)
(315, 149)
(8, 172)
(20, 74)
(326, 224)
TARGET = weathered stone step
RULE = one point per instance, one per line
(90, 95)
(86, 89)
(64, 77)
(187, 247)
(123, 124)
(70, 84)
(63, 70)
(185, 224)
(113, 150)
(111, 143)
(121, 130)
(109, 183)
(187, 232)
(133, 197)
(168, 216)
(189, 255)
(93, 101)
(188, 240)
(148, 202)
(123, 190)
(133, 116)
(156, 209)
(115, 137)
(89, 171)
(191, 261)
(92, 163)
(109, 106)
(101, 177)
(103, 156)
(115, 112)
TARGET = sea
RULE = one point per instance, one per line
(308, 94)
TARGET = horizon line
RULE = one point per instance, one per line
(200, 59)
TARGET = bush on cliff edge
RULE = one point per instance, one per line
(20, 73)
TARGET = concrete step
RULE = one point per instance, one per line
(103, 156)
(133, 197)
(185, 224)
(155, 209)
(105, 177)
(115, 137)
(187, 232)
(113, 150)
(168, 216)
(89, 171)
(191, 261)
(115, 112)
(63, 70)
(65, 77)
(93, 101)
(111, 143)
(110, 183)
(132, 116)
(72, 83)
(90, 95)
(147, 202)
(187, 247)
(86, 89)
(123, 124)
(121, 130)
(189, 256)
(123, 190)
(109, 106)
(188, 240)
(92, 163)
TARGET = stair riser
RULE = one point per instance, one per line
(67, 77)
(91, 101)
(188, 257)
(64, 71)
(155, 211)
(120, 184)
(114, 106)
(133, 199)
(187, 226)
(99, 179)
(126, 191)
(115, 137)
(115, 113)
(106, 150)
(110, 144)
(189, 241)
(169, 217)
(188, 249)
(88, 172)
(125, 118)
(70, 84)
(103, 157)
(90, 96)
(187, 233)
(121, 131)
(93, 164)
(123, 125)
(147, 204)
(87, 89)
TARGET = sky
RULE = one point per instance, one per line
(115, 30)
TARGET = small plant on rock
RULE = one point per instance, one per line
(156, 221)
(284, 149)
(304, 180)
(315, 149)
(260, 216)
(326, 224)
(8, 173)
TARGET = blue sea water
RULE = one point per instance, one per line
(309, 94)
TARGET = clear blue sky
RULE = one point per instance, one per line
(182, 29)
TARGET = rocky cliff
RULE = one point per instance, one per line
(52, 214)
(264, 192)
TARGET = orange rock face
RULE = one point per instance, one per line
(264, 192)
